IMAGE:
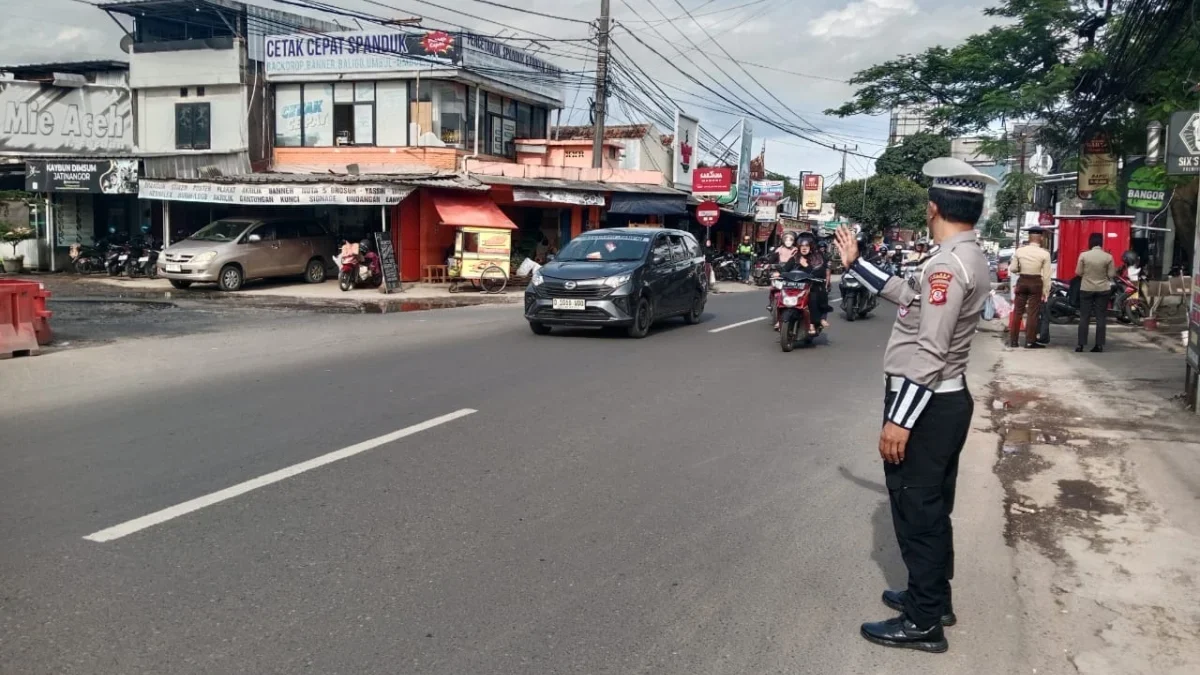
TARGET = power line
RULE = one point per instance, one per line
(530, 11)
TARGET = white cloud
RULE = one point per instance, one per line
(864, 18)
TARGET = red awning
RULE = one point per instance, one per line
(470, 209)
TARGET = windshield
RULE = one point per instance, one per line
(221, 230)
(617, 247)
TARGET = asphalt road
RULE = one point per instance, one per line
(694, 502)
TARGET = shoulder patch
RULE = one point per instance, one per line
(939, 287)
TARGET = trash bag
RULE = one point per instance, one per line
(1003, 306)
(527, 268)
(989, 307)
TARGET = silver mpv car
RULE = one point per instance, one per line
(232, 250)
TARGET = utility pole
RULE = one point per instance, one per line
(601, 88)
(844, 150)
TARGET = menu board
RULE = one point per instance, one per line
(387, 260)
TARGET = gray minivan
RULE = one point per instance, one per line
(231, 250)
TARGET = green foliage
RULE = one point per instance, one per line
(889, 201)
(1079, 66)
(15, 234)
(907, 158)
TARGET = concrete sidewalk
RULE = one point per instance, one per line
(1100, 467)
(284, 293)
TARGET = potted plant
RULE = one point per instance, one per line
(13, 235)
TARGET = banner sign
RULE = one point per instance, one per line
(300, 194)
(687, 135)
(103, 176)
(520, 68)
(1097, 168)
(91, 120)
(772, 189)
(1145, 186)
(766, 211)
(360, 51)
(712, 181)
(1183, 144)
(813, 191)
(557, 196)
(738, 197)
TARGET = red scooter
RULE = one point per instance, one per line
(359, 266)
(792, 292)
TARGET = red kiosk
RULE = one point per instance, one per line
(1073, 233)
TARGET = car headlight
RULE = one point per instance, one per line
(537, 278)
(206, 257)
(618, 281)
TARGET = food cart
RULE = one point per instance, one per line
(481, 258)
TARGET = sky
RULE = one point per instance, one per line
(821, 43)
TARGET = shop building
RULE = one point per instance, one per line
(67, 137)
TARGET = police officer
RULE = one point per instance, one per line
(927, 408)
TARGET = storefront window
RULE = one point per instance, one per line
(472, 93)
(391, 113)
(450, 121)
(524, 120)
(354, 113)
(289, 116)
(506, 120)
(318, 115)
(539, 123)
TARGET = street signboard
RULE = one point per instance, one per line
(766, 210)
(772, 189)
(1098, 167)
(813, 189)
(708, 213)
(1183, 144)
(1145, 187)
(687, 135)
(712, 181)
(387, 260)
(101, 176)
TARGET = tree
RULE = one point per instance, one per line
(907, 158)
(888, 201)
(1078, 67)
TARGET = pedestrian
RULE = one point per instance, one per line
(745, 253)
(1095, 269)
(1030, 267)
(927, 406)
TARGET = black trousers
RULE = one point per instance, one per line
(1093, 304)
(921, 489)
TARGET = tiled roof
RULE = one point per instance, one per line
(587, 132)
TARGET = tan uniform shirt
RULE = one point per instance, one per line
(1097, 268)
(1033, 260)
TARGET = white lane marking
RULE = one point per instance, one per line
(735, 325)
(169, 513)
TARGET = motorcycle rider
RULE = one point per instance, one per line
(811, 260)
(745, 254)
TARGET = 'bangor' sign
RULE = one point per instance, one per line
(240, 193)
(360, 51)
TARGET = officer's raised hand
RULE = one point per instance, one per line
(847, 244)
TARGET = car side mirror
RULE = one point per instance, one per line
(660, 259)
(254, 239)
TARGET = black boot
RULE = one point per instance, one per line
(895, 600)
(902, 633)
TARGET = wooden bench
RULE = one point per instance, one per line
(436, 274)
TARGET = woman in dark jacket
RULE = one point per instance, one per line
(809, 259)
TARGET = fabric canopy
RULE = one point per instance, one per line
(470, 209)
(648, 204)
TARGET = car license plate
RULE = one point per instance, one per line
(122, 258)
(174, 268)
(569, 303)
(143, 259)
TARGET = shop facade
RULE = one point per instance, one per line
(66, 139)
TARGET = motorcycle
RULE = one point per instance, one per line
(794, 290)
(760, 271)
(358, 266)
(857, 301)
(725, 267)
(143, 261)
(87, 259)
(1126, 305)
(115, 259)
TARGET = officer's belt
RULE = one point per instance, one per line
(944, 387)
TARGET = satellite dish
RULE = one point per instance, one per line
(126, 44)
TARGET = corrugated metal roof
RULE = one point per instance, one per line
(447, 182)
(590, 186)
(80, 67)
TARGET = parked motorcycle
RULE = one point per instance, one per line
(115, 259)
(857, 301)
(794, 291)
(88, 259)
(760, 271)
(143, 260)
(1126, 304)
(725, 267)
(358, 266)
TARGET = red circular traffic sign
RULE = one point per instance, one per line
(708, 213)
